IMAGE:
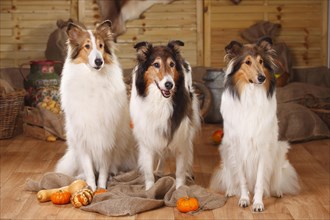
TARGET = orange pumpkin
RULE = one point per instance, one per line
(100, 191)
(187, 204)
(217, 136)
(60, 197)
(82, 197)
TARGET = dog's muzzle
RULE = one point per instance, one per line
(167, 91)
(261, 78)
(98, 62)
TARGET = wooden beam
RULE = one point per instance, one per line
(200, 33)
(325, 31)
(207, 32)
(74, 9)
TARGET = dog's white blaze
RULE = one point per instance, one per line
(95, 53)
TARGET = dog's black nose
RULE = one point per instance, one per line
(168, 85)
(261, 78)
(98, 62)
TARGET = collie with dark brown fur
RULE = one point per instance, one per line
(253, 160)
(164, 109)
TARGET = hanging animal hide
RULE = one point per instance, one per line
(120, 11)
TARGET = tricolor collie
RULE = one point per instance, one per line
(164, 109)
(253, 159)
(95, 104)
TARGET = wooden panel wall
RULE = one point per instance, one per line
(304, 27)
(26, 25)
(206, 26)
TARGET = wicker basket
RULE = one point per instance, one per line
(10, 105)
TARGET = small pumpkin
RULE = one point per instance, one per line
(82, 197)
(60, 197)
(217, 136)
(187, 204)
(100, 191)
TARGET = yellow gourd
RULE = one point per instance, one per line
(44, 195)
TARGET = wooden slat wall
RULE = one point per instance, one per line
(25, 27)
(206, 27)
(304, 27)
(160, 24)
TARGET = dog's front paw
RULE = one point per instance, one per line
(149, 184)
(258, 207)
(277, 194)
(244, 202)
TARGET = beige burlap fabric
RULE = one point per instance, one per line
(126, 194)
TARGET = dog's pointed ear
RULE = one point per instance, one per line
(265, 42)
(232, 50)
(175, 45)
(104, 29)
(142, 49)
(73, 31)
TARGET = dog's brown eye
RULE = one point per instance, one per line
(172, 64)
(87, 46)
(101, 45)
(261, 61)
(157, 65)
(248, 62)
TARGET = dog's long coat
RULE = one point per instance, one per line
(164, 109)
(95, 104)
(253, 159)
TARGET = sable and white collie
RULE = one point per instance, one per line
(253, 159)
(95, 105)
(164, 109)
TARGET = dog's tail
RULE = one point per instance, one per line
(216, 178)
(68, 164)
(288, 179)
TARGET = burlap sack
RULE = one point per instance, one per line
(41, 123)
(126, 194)
(297, 121)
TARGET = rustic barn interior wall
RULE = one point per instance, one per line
(26, 25)
(304, 27)
(206, 27)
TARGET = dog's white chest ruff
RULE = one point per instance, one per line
(151, 115)
(253, 116)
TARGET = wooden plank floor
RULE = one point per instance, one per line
(23, 157)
